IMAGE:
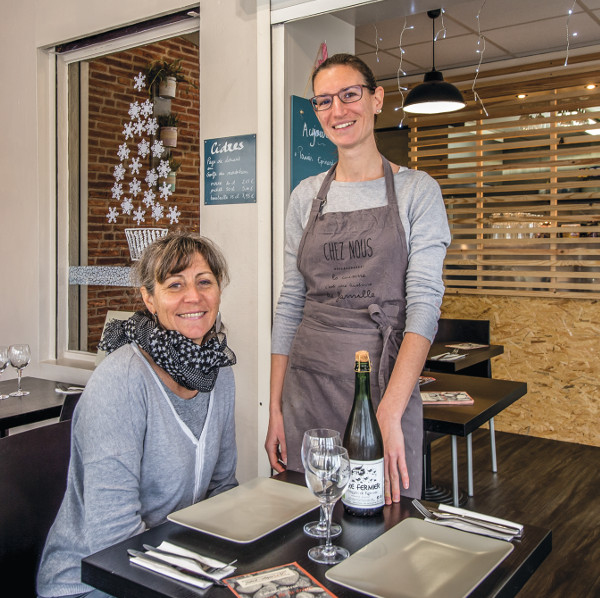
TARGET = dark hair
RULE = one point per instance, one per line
(347, 60)
(172, 254)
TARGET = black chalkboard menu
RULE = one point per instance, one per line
(311, 152)
(230, 170)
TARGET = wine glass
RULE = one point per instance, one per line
(19, 356)
(327, 475)
(4, 361)
(316, 437)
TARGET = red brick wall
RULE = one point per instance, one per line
(111, 91)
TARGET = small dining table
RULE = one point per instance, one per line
(110, 571)
(42, 402)
(475, 360)
(491, 396)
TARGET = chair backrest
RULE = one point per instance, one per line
(33, 478)
(68, 407)
(474, 331)
(111, 314)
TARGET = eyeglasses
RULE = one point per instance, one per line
(348, 95)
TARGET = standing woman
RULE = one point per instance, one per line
(154, 429)
(365, 244)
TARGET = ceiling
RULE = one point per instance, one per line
(509, 29)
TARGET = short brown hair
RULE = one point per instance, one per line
(347, 60)
(172, 254)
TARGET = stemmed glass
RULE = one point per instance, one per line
(327, 476)
(19, 356)
(320, 437)
(3, 364)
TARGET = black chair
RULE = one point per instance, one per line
(33, 478)
(66, 412)
(474, 331)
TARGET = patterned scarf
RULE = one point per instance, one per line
(191, 365)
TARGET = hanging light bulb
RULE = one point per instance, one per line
(434, 95)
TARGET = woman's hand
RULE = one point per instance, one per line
(395, 470)
(275, 440)
(275, 443)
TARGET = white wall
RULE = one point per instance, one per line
(229, 106)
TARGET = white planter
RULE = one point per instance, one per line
(168, 135)
(171, 180)
(139, 238)
(167, 88)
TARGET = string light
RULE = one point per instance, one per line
(443, 29)
(567, 26)
(377, 40)
(401, 71)
(479, 50)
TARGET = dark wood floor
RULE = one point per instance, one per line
(547, 483)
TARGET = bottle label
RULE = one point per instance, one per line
(365, 489)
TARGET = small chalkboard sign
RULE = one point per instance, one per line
(311, 152)
(230, 170)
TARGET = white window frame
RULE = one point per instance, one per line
(64, 356)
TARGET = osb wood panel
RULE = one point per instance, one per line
(554, 346)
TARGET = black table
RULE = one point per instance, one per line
(42, 402)
(491, 397)
(110, 571)
(475, 363)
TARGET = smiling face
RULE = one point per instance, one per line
(187, 301)
(347, 125)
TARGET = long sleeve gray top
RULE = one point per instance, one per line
(133, 461)
(425, 223)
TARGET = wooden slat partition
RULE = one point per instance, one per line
(521, 185)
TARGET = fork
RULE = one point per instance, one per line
(449, 517)
(206, 568)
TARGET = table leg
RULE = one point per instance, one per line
(470, 465)
(493, 445)
(455, 495)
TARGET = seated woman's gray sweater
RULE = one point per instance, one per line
(133, 461)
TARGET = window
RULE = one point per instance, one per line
(97, 100)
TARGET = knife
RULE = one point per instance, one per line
(167, 563)
(497, 527)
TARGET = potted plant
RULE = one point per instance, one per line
(165, 75)
(172, 176)
(168, 129)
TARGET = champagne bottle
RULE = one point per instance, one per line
(362, 438)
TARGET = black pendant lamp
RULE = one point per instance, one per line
(434, 95)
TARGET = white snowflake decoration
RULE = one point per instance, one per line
(142, 128)
(135, 187)
(128, 131)
(147, 108)
(151, 126)
(149, 197)
(163, 169)
(119, 172)
(126, 205)
(135, 165)
(158, 211)
(151, 177)
(117, 191)
(138, 216)
(112, 215)
(134, 110)
(139, 82)
(123, 152)
(165, 190)
(157, 148)
(143, 148)
(173, 214)
(139, 126)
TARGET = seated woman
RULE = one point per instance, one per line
(154, 429)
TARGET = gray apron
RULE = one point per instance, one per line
(354, 265)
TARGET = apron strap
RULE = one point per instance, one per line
(390, 346)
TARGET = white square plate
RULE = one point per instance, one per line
(249, 511)
(415, 559)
